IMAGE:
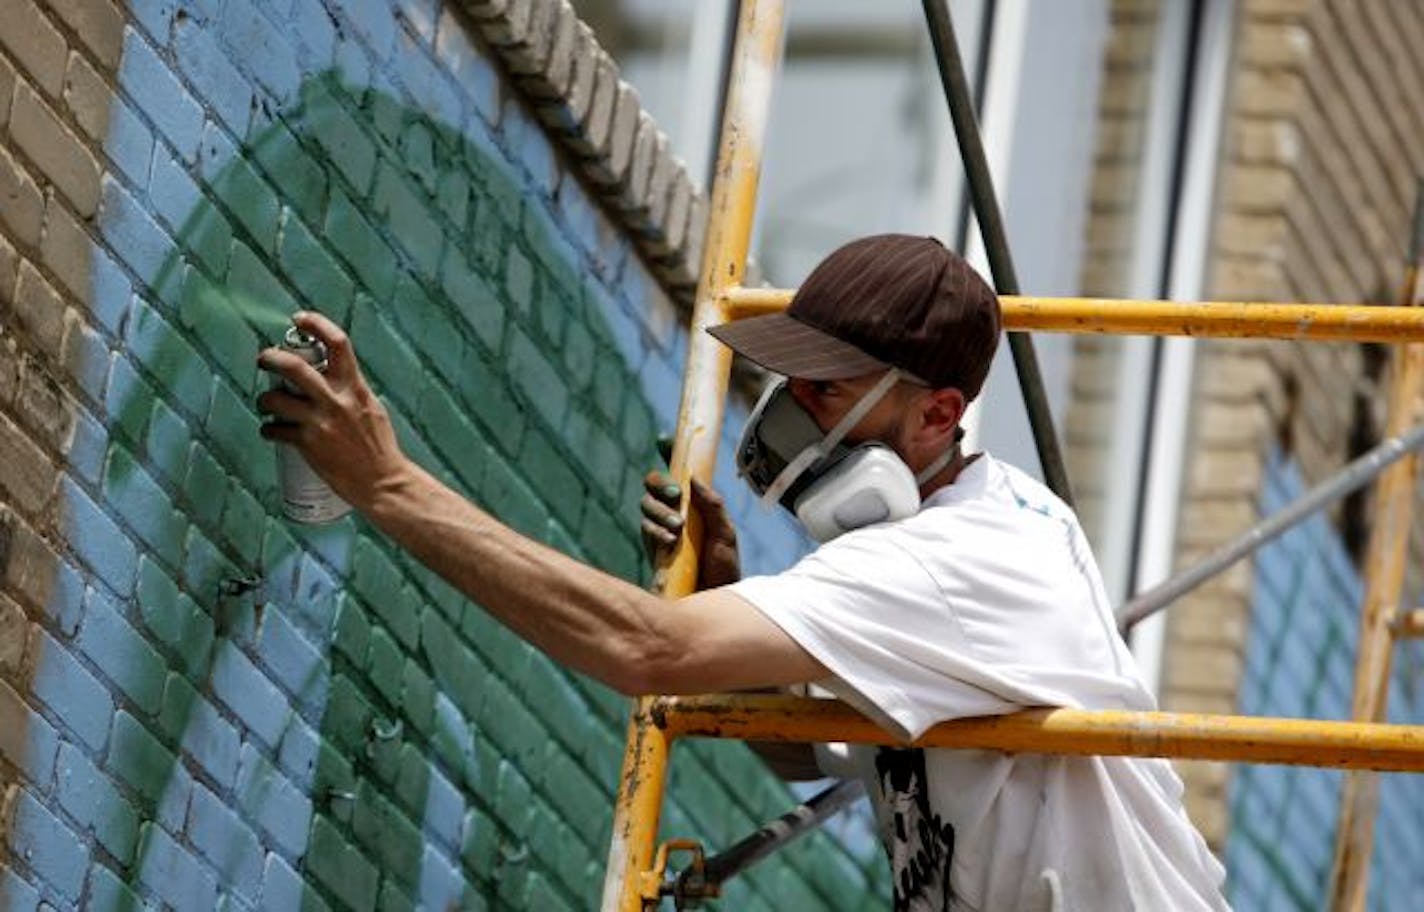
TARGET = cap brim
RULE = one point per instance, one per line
(784, 345)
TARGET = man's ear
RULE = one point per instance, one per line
(940, 414)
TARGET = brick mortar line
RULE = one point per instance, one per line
(614, 145)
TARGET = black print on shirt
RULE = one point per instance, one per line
(919, 843)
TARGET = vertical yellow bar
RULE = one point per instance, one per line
(704, 393)
(1384, 583)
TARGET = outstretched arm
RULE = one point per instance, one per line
(632, 640)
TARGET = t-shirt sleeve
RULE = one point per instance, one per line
(875, 617)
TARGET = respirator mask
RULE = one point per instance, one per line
(829, 486)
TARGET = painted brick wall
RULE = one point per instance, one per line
(1300, 662)
(201, 705)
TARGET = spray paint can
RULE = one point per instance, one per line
(305, 497)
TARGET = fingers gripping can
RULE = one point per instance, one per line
(305, 497)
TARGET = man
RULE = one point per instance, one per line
(982, 600)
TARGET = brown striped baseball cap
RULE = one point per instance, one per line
(885, 300)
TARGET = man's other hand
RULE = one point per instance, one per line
(334, 419)
(718, 563)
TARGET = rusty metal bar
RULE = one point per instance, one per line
(1384, 582)
(733, 203)
(1129, 317)
(1409, 625)
(1298, 742)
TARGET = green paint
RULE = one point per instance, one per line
(480, 335)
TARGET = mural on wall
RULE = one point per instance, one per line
(303, 715)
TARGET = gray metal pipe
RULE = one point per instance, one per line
(772, 836)
(996, 241)
(1349, 479)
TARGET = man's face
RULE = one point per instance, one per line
(827, 401)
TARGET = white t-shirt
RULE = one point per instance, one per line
(985, 602)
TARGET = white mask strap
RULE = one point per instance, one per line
(807, 457)
(938, 465)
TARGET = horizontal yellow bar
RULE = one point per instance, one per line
(1223, 319)
(1300, 742)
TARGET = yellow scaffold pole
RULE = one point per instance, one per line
(1193, 736)
(1219, 319)
(1385, 558)
(628, 880)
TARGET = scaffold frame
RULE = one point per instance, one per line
(635, 876)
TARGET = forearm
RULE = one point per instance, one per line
(580, 616)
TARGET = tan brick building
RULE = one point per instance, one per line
(1321, 146)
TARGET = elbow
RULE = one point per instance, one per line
(651, 662)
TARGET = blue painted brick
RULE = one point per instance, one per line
(441, 885)
(171, 108)
(453, 739)
(132, 233)
(314, 31)
(66, 687)
(428, 85)
(248, 693)
(121, 653)
(444, 810)
(16, 894)
(53, 850)
(202, 733)
(268, 799)
(86, 450)
(173, 194)
(263, 49)
(97, 540)
(283, 888)
(91, 799)
(226, 842)
(144, 505)
(297, 754)
(129, 142)
(293, 662)
(26, 740)
(374, 22)
(482, 83)
(166, 868)
(207, 68)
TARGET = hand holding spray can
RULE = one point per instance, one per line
(305, 497)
